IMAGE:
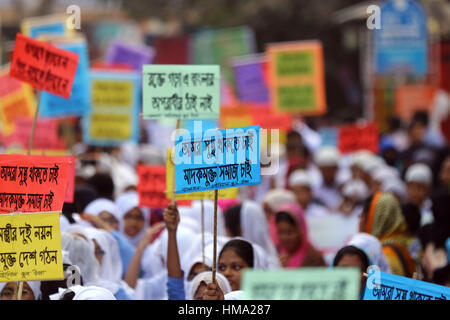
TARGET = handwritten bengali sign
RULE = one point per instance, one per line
(229, 193)
(352, 138)
(249, 79)
(134, 55)
(44, 66)
(30, 247)
(113, 117)
(303, 284)
(32, 183)
(217, 159)
(54, 106)
(297, 77)
(388, 286)
(16, 100)
(181, 91)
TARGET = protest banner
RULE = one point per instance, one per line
(229, 193)
(113, 117)
(16, 100)
(132, 54)
(217, 159)
(30, 247)
(55, 106)
(220, 45)
(318, 283)
(296, 74)
(33, 183)
(44, 66)
(249, 78)
(35, 27)
(181, 91)
(386, 286)
(111, 66)
(45, 136)
(352, 138)
(236, 116)
(412, 98)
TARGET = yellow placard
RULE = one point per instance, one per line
(229, 193)
(112, 93)
(110, 126)
(30, 247)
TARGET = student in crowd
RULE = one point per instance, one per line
(30, 290)
(327, 193)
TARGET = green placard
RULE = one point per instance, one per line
(181, 91)
(298, 97)
(295, 64)
(319, 283)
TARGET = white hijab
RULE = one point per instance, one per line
(34, 285)
(256, 230)
(371, 246)
(125, 202)
(207, 278)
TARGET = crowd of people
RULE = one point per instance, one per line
(114, 249)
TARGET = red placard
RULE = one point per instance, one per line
(44, 66)
(152, 187)
(267, 119)
(32, 183)
(358, 137)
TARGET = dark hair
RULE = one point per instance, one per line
(419, 117)
(351, 250)
(441, 276)
(232, 217)
(103, 184)
(286, 217)
(411, 213)
(242, 248)
(51, 286)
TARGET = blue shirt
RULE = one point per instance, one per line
(175, 288)
(126, 250)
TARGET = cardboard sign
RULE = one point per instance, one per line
(32, 183)
(229, 193)
(181, 91)
(44, 66)
(249, 79)
(236, 116)
(217, 159)
(386, 286)
(113, 117)
(355, 137)
(36, 27)
(297, 77)
(136, 56)
(16, 100)
(30, 247)
(45, 134)
(267, 119)
(54, 106)
(318, 283)
(412, 98)
(152, 187)
(220, 45)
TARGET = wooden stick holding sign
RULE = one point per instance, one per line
(33, 127)
(174, 182)
(216, 195)
(203, 229)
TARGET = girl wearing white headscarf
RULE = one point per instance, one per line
(200, 282)
(133, 220)
(31, 290)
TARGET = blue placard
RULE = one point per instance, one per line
(55, 106)
(401, 46)
(56, 28)
(393, 287)
(109, 112)
(216, 159)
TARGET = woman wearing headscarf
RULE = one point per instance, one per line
(110, 271)
(133, 220)
(201, 281)
(382, 217)
(248, 221)
(292, 241)
(30, 291)
(363, 250)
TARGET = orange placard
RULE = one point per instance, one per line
(412, 98)
(44, 66)
(352, 138)
(296, 77)
(32, 183)
(152, 187)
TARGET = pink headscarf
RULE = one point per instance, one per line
(297, 213)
